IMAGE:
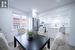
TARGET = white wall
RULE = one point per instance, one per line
(72, 33)
(18, 12)
(6, 22)
(66, 11)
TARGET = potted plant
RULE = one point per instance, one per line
(30, 35)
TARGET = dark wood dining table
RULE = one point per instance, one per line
(37, 43)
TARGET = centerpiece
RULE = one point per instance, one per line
(30, 35)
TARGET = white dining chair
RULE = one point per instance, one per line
(3, 42)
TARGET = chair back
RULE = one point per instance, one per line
(3, 42)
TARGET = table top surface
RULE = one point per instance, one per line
(35, 44)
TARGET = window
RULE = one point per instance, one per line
(19, 21)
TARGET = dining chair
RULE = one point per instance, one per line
(3, 42)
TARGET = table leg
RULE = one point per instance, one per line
(48, 44)
(14, 42)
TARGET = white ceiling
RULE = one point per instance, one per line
(41, 5)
